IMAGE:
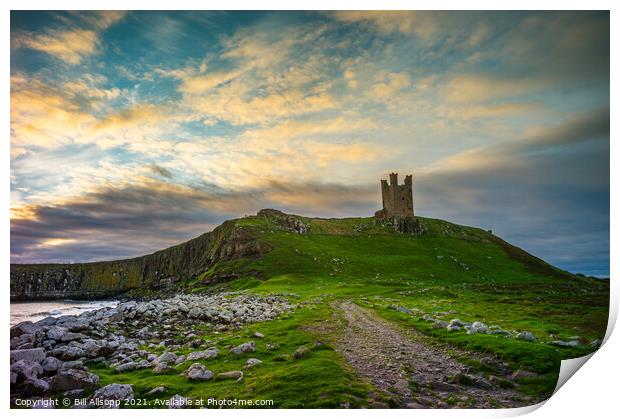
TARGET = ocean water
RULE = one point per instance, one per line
(38, 310)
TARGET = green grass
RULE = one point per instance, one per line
(463, 272)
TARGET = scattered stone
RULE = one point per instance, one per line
(251, 362)
(162, 367)
(244, 347)
(26, 370)
(453, 327)
(36, 387)
(456, 322)
(74, 379)
(207, 354)
(439, 324)
(301, 352)
(564, 344)
(525, 335)
(126, 367)
(198, 372)
(34, 355)
(108, 397)
(476, 327)
(258, 335)
(166, 358)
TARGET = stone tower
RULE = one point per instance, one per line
(397, 199)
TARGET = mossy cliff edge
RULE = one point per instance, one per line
(154, 271)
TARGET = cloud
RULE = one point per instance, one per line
(70, 45)
(421, 24)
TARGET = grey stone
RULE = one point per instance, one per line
(251, 362)
(525, 335)
(34, 355)
(157, 390)
(234, 375)
(244, 347)
(74, 379)
(51, 365)
(206, 354)
(106, 396)
(36, 387)
(126, 367)
(198, 372)
(177, 402)
(26, 370)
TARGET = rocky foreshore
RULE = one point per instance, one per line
(48, 357)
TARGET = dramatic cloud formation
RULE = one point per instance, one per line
(133, 131)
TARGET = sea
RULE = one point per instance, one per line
(37, 310)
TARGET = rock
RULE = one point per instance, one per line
(151, 357)
(73, 365)
(166, 358)
(36, 387)
(564, 344)
(238, 375)
(525, 335)
(453, 327)
(68, 353)
(301, 352)
(157, 390)
(23, 328)
(51, 365)
(251, 362)
(476, 327)
(26, 370)
(198, 372)
(439, 324)
(244, 347)
(177, 402)
(456, 322)
(56, 332)
(258, 335)
(207, 354)
(108, 397)
(162, 367)
(74, 379)
(180, 360)
(428, 318)
(500, 332)
(79, 392)
(34, 355)
(126, 367)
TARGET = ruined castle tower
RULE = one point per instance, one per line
(397, 199)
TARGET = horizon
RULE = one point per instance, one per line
(134, 131)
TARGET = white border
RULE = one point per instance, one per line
(592, 393)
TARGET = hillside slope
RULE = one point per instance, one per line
(220, 255)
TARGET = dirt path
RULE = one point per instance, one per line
(415, 374)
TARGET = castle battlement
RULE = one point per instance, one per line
(397, 199)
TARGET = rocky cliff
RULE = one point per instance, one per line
(154, 271)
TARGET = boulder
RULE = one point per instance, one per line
(476, 327)
(162, 367)
(108, 396)
(126, 367)
(525, 335)
(251, 362)
(51, 365)
(73, 365)
(156, 391)
(56, 332)
(207, 354)
(453, 327)
(198, 372)
(244, 347)
(564, 344)
(439, 324)
(34, 355)
(74, 379)
(23, 328)
(166, 357)
(26, 370)
(36, 387)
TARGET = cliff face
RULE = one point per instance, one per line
(157, 270)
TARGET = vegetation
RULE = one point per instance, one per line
(447, 271)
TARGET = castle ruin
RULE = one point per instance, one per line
(397, 199)
(398, 206)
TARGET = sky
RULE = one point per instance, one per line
(134, 131)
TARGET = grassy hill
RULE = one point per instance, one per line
(446, 271)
